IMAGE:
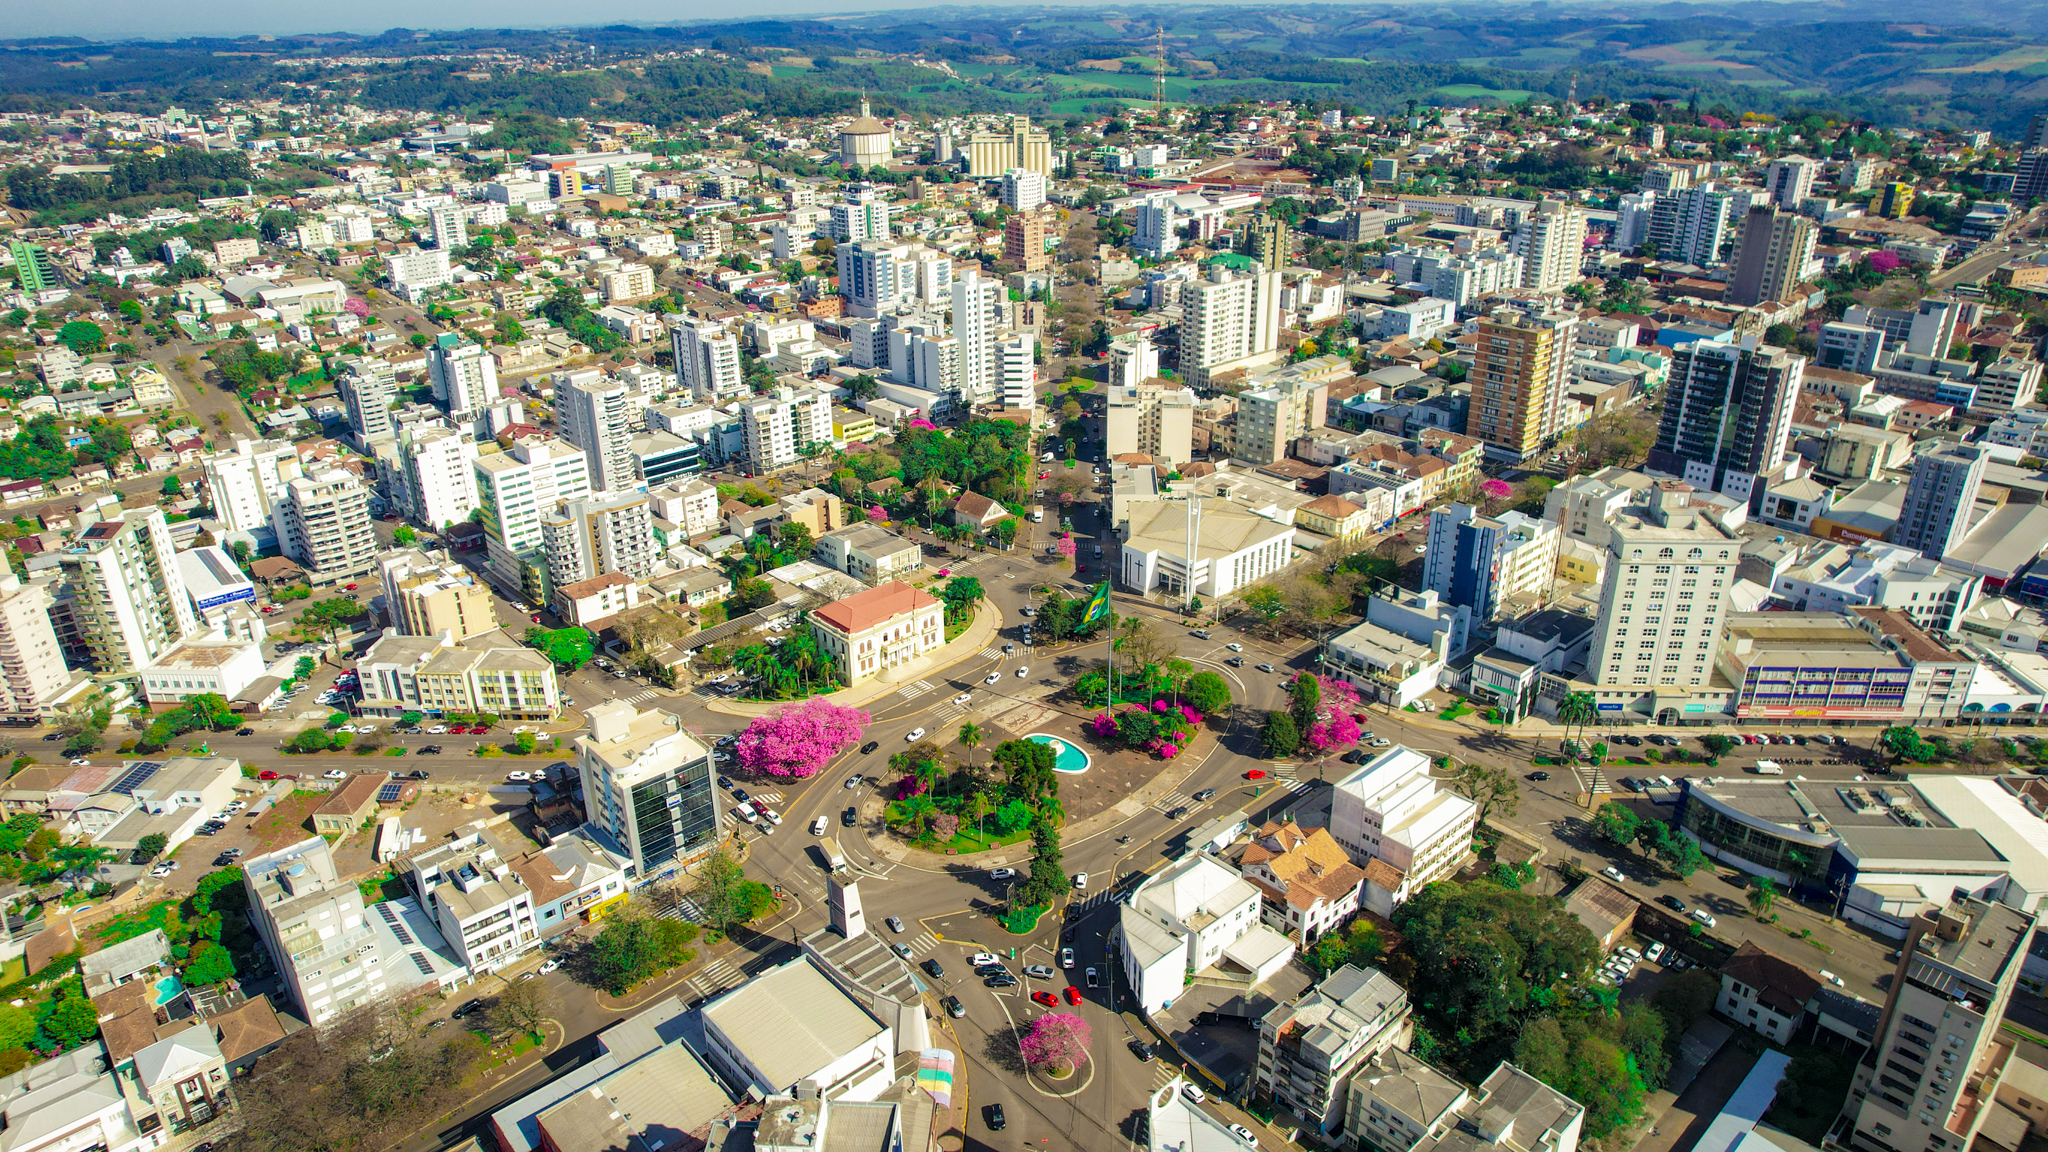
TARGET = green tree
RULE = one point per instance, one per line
(209, 963)
(1762, 896)
(1265, 601)
(1615, 824)
(1485, 957)
(570, 648)
(1305, 697)
(719, 892)
(1207, 693)
(1281, 735)
(172, 487)
(83, 337)
(1495, 791)
(404, 535)
(1717, 744)
(152, 846)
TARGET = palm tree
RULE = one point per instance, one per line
(1577, 708)
(970, 736)
(1762, 894)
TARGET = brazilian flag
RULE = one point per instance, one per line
(1098, 605)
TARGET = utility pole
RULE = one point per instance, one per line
(1159, 75)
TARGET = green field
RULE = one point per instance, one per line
(1474, 92)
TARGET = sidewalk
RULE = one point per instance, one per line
(988, 623)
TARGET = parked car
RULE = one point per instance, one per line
(954, 1007)
(1193, 1093)
(932, 969)
(1245, 1134)
(1704, 917)
(1073, 994)
(1066, 957)
(1038, 971)
(1614, 874)
(330, 774)
(1671, 902)
(1046, 998)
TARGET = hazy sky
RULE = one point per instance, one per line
(124, 19)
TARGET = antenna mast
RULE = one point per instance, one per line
(1159, 74)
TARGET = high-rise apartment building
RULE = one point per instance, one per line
(631, 281)
(124, 592)
(1229, 320)
(32, 670)
(1019, 145)
(446, 228)
(647, 789)
(707, 360)
(1519, 372)
(1788, 180)
(1269, 419)
(1850, 347)
(1133, 359)
(1857, 173)
(324, 523)
(1155, 230)
(1690, 225)
(1023, 190)
(600, 533)
(1727, 414)
(978, 308)
(877, 277)
(1939, 498)
(1771, 255)
(463, 375)
(368, 388)
(862, 216)
(1928, 328)
(1552, 245)
(1662, 178)
(1668, 572)
(601, 414)
(430, 595)
(1269, 240)
(32, 267)
(2031, 178)
(1895, 200)
(1933, 1076)
(246, 482)
(1024, 242)
(776, 428)
(1479, 562)
(1017, 370)
(313, 921)
(517, 489)
(437, 479)
(1156, 418)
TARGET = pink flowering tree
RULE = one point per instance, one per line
(1067, 548)
(1495, 492)
(921, 422)
(875, 514)
(1056, 1042)
(357, 307)
(1885, 262)
(798, 740)
(1336, 722)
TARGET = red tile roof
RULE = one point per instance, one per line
(861, 612)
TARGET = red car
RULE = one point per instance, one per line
(1255, 774)
(1073, 994)
(266, 774)
(480, 729)
(1046, 998)
(348, 587)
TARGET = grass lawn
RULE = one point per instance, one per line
(378, 888)
(1454, 711)
(1021, 921)
(133, 924)
(968, 840)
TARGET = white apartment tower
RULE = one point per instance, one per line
(447, 229)
(1788, 180)
(314, 923)
(464, 377)
(517, 489)
(1552, 245)
(647, 788)
(779, 426)
(32, 671)
(126, 596)
(1017, 370)
(1229, 321)
(1939, 499)
(1668, 572)
(439, 474)
(707, 360)
(601, 414)
(1023, 189)
(863, 215)
(368, 388)
(247, 481)
(324, 523)
(1937, 1068)
(606, 532)
(977, 314)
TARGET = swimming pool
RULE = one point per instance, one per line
(167, 990)
(1066, 757)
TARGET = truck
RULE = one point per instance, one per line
(1768, 768)
(1038, 514)
(834, 858)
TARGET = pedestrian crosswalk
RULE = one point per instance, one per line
(766, 797)
(1163, 1073)
(1093, 899)
(717, 975)
(992, 653)
(642, 698)
(683, 908)
(917, 688)
(924, 943)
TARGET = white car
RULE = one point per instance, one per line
(1022, 672)
(1194, 1094)
(335, 774)
(771, 815)
(518, 777)
(916, 734)
(1080, 881)
(438, 730)
(1066, 957)
(1245, 1134)
(963, 698)
(981, 958)
(550, 966)
(1704, 917)
(1654, 953)
(745, 812)
(991, 677)
(1831, 978)
(238, 805)
(1235, 647)
(346, 728)
(1002, 873)
(1614, 874)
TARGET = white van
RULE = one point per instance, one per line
(818, 826)
(1768, 768)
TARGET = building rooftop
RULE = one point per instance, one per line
(1781, 985)
(793, 1022)
(1224, 530)
(877, 605)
